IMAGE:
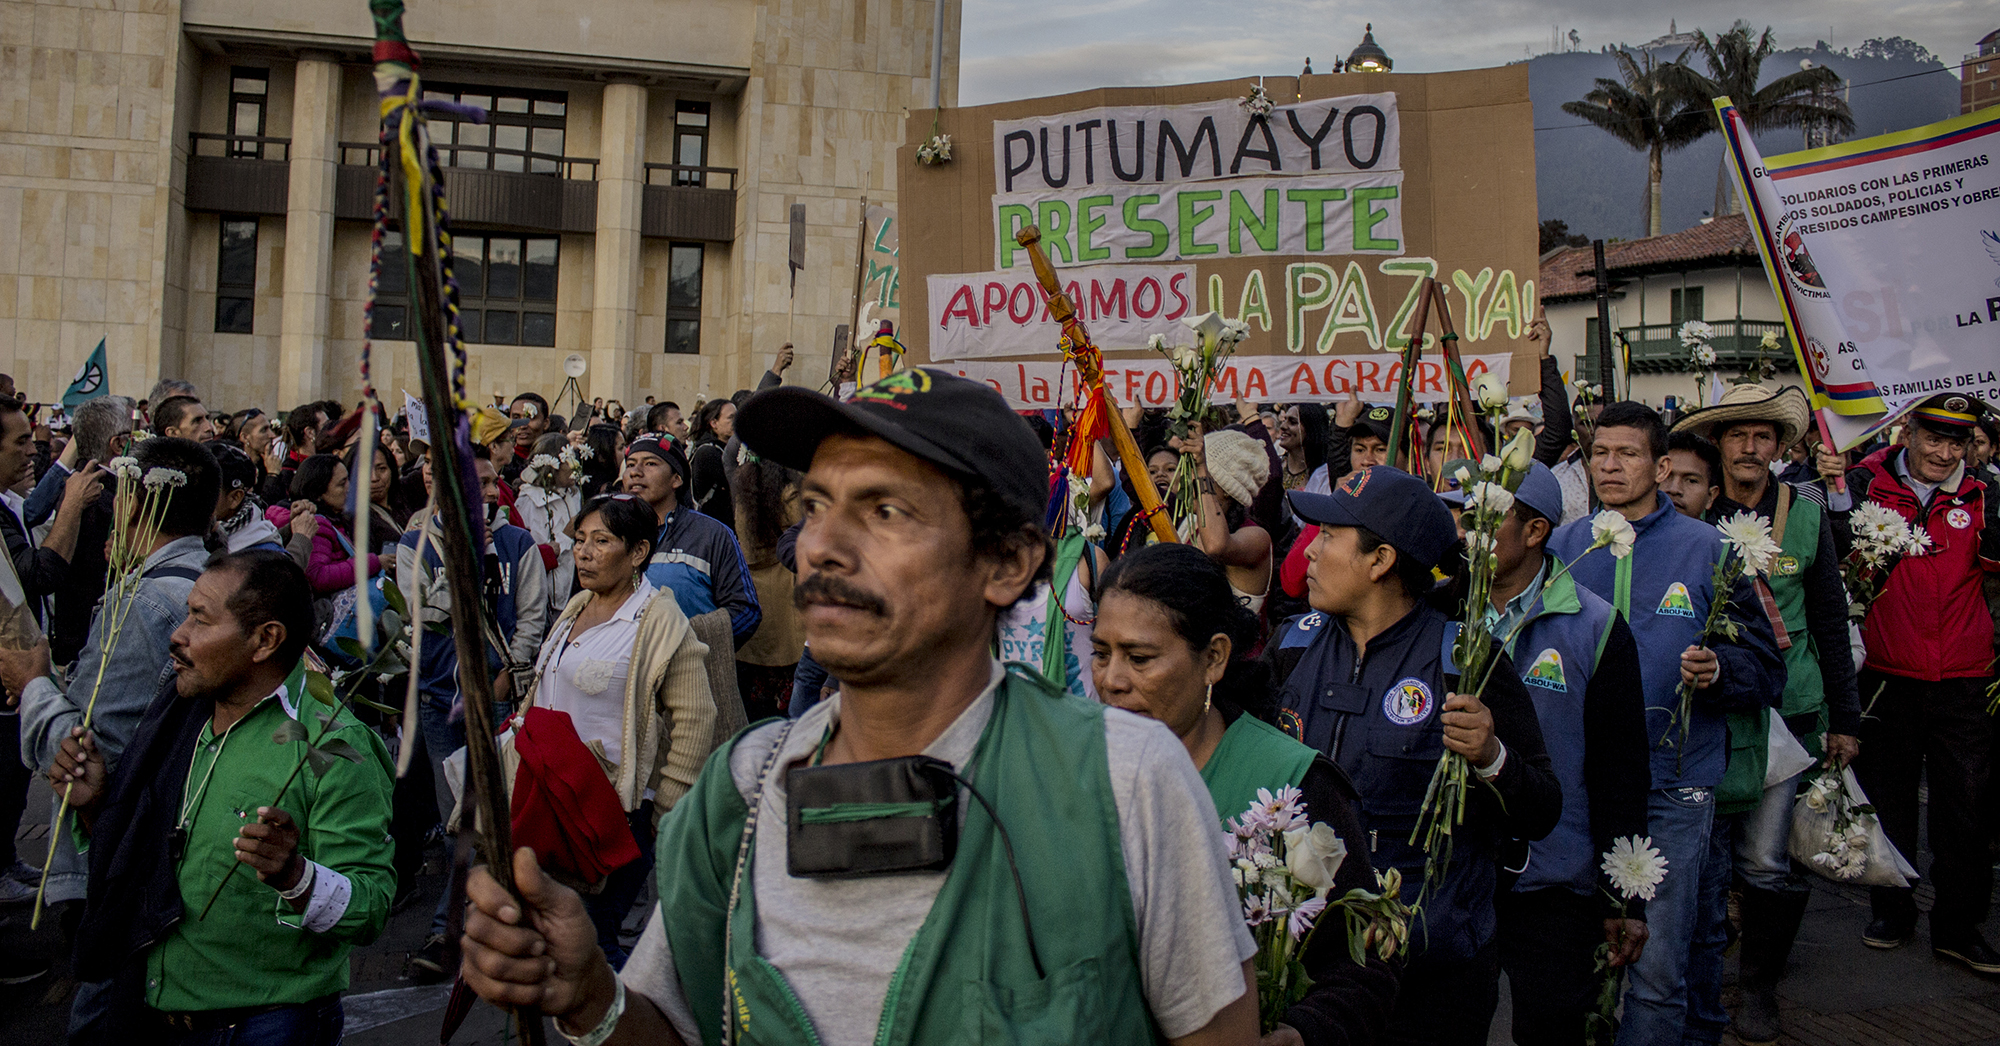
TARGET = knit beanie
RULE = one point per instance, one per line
(1237, 463)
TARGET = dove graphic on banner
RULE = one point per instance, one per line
(1992, 243)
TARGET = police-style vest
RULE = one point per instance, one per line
(1556, 651)
(1377, 717)
(967, 975)
(1253, 754)
(1796, 521)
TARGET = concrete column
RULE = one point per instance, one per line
(621, 180)
(303, 327)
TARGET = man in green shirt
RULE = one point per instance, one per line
(198, 792)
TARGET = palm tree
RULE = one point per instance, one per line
(1735, 63)
(1646, 112)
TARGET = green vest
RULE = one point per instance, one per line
(1253, 754)
(967, 975)
(1742, 784)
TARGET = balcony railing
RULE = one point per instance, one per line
(238, 146)
(485, 158)
(688, 176)
(1657, 348)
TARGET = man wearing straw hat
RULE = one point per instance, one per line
(1752, 426)
(1929, 642)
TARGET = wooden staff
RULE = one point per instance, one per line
(1399, 424)
(1090, 366)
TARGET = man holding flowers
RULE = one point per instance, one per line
(1752, 426)
(1577, 658)
(1370, 682)
(1665, 589)
(1929, 641)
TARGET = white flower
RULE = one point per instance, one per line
(1158, 343)
(1314, 855)
(935, 150)
(1490, 498)
(1490, 464)
(1519, 451)
(1463, 476)
(125, 468)
(1258, 104)
(1207, 326)
(1704, 355)
(1750, 535)
(1635, 867)
(544, 461)
(165, 477)
(1094, 532)
(1281, 812)
(1770, 340)
(1695, 332)
(1490, 393)
(1610, 530)
(1919, 541)
(1186, 359)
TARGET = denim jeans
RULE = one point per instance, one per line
(1705, 1016)
(1683, 916)
(316, 1023)
(807, 682)
(1762, 839)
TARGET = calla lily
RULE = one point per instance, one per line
(1490, 392)
(1519, 452)
(1209, 325)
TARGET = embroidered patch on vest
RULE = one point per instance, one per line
(1958, 518)
(1547, 671)
(1785, 566)
(1676, 602)
(1408, 703)
(1292, 725)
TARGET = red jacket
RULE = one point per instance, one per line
(1931, 622)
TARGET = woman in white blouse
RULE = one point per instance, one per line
(548, 501)
(623, 664)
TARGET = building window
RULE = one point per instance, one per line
(236, 276)
(391, 319)
(684, 298)
(1685, 304)
(248, 91)
(506, 288)
(523, 131)
(691, 142)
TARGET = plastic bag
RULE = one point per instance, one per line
(1836, 834)
(1784, 757)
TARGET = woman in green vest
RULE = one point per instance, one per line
(1172, 643)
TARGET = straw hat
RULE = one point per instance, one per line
(1786, 408)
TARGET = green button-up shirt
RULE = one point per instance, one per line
(253, 949)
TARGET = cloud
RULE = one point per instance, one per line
(1006, 49)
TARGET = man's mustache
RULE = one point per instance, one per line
(827, 590)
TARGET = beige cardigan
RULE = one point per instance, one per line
(669, 713)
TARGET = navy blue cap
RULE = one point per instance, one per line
(1392, 504)
(1541, 491)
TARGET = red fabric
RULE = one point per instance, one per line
(564, 807)
(1931, 622)
(1292, 575)
(549, 556)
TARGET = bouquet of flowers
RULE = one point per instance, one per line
(1258, 104)
(1284, 866)
(1747, 549)
(1696, 337)
(1195, 369)
(935, 151)
(1842, 851)
(1882, 537)
(1635, 868)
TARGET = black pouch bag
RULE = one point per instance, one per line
(884, 817)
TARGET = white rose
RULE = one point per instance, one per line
(1520, 451)
(1314, 856)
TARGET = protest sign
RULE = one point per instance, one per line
(1316, 236)
(1150, 380)
(880, 271)
(1885, 255)
(419, 418)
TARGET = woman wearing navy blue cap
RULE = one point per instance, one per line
(1369, 681)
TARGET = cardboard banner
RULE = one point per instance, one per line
(881, 273)
(1151, 381)
(1244, 218)
(1318, 251)
(1153, 144)
(986, 314)
(1885, 254)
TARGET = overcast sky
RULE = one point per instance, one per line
(1028, 48)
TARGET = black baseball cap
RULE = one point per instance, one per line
(1391, 504)
(1375, 421)
(957, 424)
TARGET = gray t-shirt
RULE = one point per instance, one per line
(838, 941)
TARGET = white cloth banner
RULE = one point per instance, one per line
(1886, 251)
(981, 315)
(1331, 214)
(420, 418)
(1151, 382)
(1154, 144)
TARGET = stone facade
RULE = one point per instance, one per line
(118, 174)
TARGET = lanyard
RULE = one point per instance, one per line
(191, 803)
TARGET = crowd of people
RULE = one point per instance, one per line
(883, 737)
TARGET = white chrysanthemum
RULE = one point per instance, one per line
(158, 477)
(1635, 867)
(125, 468)
(544, 461)
(1750, 535)
(1704, 355)
(1610, 530)
(1157, 343)
(1491, 498)
(1695, 332)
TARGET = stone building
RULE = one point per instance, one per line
(1710, 272)
(192, 180)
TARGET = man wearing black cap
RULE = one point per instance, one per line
(1077, 906)
(1369, 682)
(1929, 641)
(697, 558)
